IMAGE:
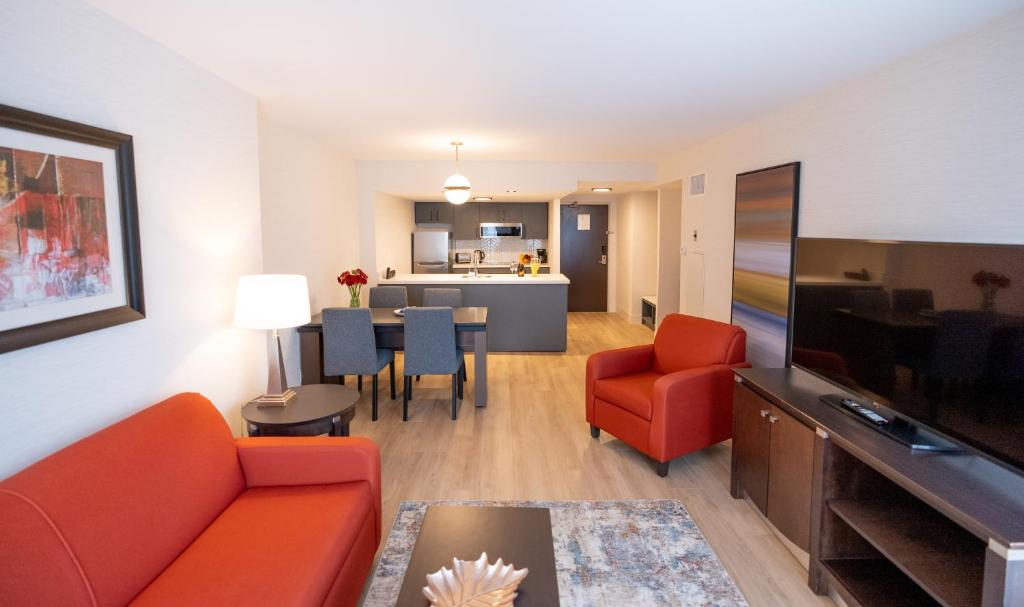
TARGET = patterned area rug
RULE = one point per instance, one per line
(614, 553)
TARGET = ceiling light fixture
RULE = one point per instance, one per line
(482, 199)
(600, 190)
(456, 187)
(511, 191)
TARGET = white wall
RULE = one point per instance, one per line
(309, 218)
(928, 148)
(394, 222)
(637, 251)
(197, 171)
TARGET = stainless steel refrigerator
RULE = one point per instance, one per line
(430, 253)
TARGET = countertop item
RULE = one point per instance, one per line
(492, 265)
(483, 279)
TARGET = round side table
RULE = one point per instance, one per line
(316, 409)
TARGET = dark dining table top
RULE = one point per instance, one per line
(921, 320)
(468, 318)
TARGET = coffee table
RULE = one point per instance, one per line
(316, 409)
(520, 536)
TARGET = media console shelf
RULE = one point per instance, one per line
(888, 526)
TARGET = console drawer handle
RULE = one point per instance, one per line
(765, 412)
(772, 419)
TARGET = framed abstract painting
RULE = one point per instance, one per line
(766, 221)
(69, 230)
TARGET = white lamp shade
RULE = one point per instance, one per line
(271, 301)
(457, 189)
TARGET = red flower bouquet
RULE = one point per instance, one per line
(354, 280)
(989, 283)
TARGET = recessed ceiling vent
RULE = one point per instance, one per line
(697, 184)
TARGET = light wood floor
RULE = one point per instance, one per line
(532, 442)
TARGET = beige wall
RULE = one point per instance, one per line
(637, 247)
(310, 219)
(928, 148)
(394, 223)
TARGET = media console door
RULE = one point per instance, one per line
(772, 464)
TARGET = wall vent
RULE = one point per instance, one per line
(698, 183)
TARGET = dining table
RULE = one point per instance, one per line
(389, 331)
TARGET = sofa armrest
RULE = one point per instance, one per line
(613, 363)
(691, 407)
(313, 460)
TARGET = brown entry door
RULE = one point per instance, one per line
(584, 256)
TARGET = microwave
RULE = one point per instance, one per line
(501, 230)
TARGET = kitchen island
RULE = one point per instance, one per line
(525, 314)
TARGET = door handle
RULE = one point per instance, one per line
(604, 260)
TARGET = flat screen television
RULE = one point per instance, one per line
(933, 331)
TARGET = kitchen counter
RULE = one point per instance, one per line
(482, 279)
(527, 314)
(484, 266)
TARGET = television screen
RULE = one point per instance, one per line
(934, 331)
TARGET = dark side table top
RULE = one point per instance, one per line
(518, 536)
(312, 402)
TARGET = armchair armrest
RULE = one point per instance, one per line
(313, 460)
(691, 407)
(612, 363)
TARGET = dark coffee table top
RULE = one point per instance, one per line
(520, 536)
(312, 402)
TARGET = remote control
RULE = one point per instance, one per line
(864, 412)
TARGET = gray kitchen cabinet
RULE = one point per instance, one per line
(512, 213)
(490, 212)
(434, 212)
(467, 222)
(535, 220)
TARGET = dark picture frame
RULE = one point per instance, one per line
(128, 216)
(768, 343)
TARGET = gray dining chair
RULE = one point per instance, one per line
(870, 300)
(389, 297)
(430, 350)
(350, 347)
(442, 298)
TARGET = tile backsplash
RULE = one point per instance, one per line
(501, 250)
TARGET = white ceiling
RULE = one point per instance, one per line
(538, 79)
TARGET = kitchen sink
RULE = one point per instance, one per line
(477, 276)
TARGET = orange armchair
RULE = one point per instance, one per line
(671, 397)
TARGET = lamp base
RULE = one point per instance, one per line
(275, 400)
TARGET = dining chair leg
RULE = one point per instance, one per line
(417, 378)
(464, 376)
(392, 372)
(374, 399)
(406, 388)
(459, 378)
(341, 380)
(359, 383)
(455, 403)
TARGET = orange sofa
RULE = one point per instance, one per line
(166, 508)
(673, 396)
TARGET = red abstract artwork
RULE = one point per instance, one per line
(53, 229)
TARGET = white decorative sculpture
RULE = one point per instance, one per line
(474, 584)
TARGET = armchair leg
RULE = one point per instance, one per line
(405, 397)
(455, 402)
(392, 372)
(595, 432)
(662, 469)
(374, 398)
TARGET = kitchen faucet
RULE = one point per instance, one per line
(476, 262)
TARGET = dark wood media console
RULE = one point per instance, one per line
(883, 525)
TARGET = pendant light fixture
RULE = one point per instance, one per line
(456, 187)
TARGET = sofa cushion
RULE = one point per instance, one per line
(631, 392)
(281, 546)
(103, 517)
(686, 342)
